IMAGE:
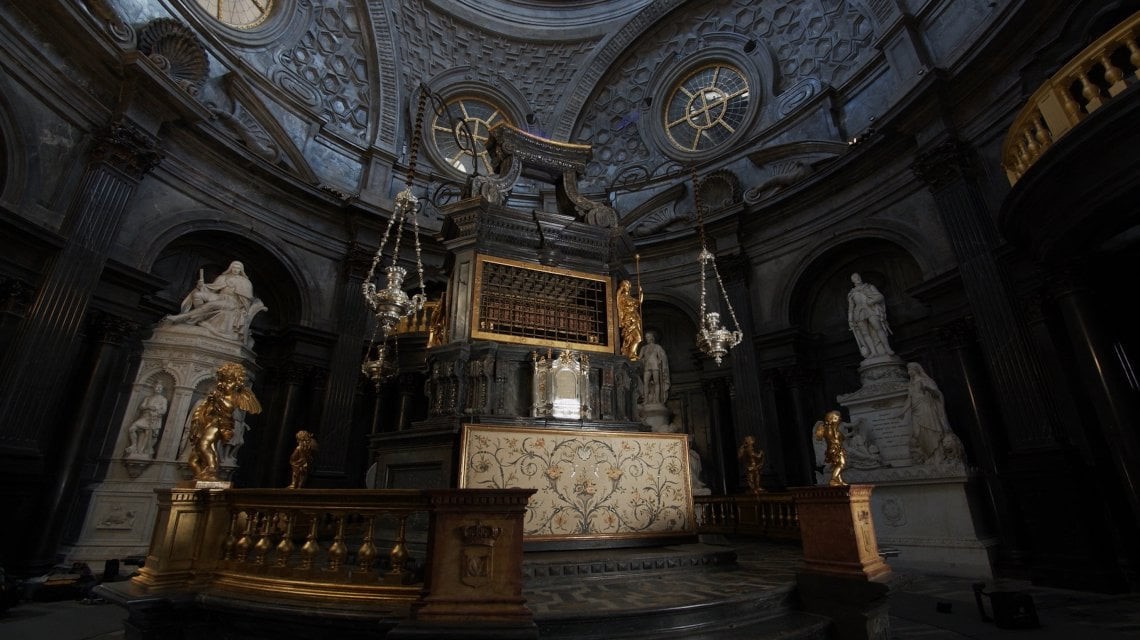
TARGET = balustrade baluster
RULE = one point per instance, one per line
(245, 542)
(1044, 137)
(367, 552)
(1090, 91)
(1113, 76)
(311, 548)
(285, 547)
(338, 551)
(1134, 58)
(1032, 151)
(399, 553)
(1069, 103)
(264, 542)
(231, 538)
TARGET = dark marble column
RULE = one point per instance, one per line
(723, 476)
(801, 384)
(40, 358)
(290, 379)
(106, 369)
(344, 369)
(977, 426)
(747, 407)
(948, 170)
(409, 385)
(1100, 372)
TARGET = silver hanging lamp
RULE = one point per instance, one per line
(713, 339)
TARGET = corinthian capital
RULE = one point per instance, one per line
(127, 148)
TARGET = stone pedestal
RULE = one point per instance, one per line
(121, 512)
(925, 512)
(838, 532)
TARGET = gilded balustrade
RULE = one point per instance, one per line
(767, 515)
(417, 322)
(324, 544)
(1095, 76)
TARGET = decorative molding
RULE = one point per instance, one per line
(943, 164)
(127, 148)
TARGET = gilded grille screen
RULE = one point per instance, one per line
(520, 303)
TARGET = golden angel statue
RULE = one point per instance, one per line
(828, 430)
(212, 421)
(301, 458)
(629, 318)
(753, 462)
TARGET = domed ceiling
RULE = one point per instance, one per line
(756, 92)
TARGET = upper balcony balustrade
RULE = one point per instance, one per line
(1086, 83)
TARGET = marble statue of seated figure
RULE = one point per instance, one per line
(224, 307)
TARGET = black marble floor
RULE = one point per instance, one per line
(922, 607)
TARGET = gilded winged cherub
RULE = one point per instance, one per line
(212, 421)
(753, 463)
(829, 431)
(301, 458)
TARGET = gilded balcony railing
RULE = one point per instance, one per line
(325, 544)
(360, 552)
(417, 322)
(1095, 76)
(768, 515)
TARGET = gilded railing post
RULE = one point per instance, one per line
(473, 578)
(186, 547)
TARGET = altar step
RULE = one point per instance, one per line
(695, 592)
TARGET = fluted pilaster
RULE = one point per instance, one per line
(948, 170)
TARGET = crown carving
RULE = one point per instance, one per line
(481, 534)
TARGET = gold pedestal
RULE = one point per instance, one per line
(474, 573)
(178, 557)
(838, 533)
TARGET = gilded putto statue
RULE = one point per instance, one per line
(212, 421)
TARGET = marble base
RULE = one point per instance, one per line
(121, 513)
(929, 520)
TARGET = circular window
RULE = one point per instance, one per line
(706, 107)
(459, 151)
(239, 14)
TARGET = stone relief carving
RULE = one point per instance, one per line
(783, 176)
(434, 40)
(328, 69)
(177, 51)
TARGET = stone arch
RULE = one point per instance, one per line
(18, 167)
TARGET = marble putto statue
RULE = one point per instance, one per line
(143, 432)
(867, 318)
(224, 307)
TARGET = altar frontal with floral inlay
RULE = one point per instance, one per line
(591, 485)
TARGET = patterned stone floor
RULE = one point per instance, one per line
(922, 607)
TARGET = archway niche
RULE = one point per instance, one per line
(287, 358)
(826, 354)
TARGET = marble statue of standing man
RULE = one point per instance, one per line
(867, 318)
(655, 372)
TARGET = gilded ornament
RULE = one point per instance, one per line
(212, 421)
(828, 430)
(301, 458)
(753, 462)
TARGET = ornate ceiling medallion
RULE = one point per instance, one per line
(706, 108)
(239, 14)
